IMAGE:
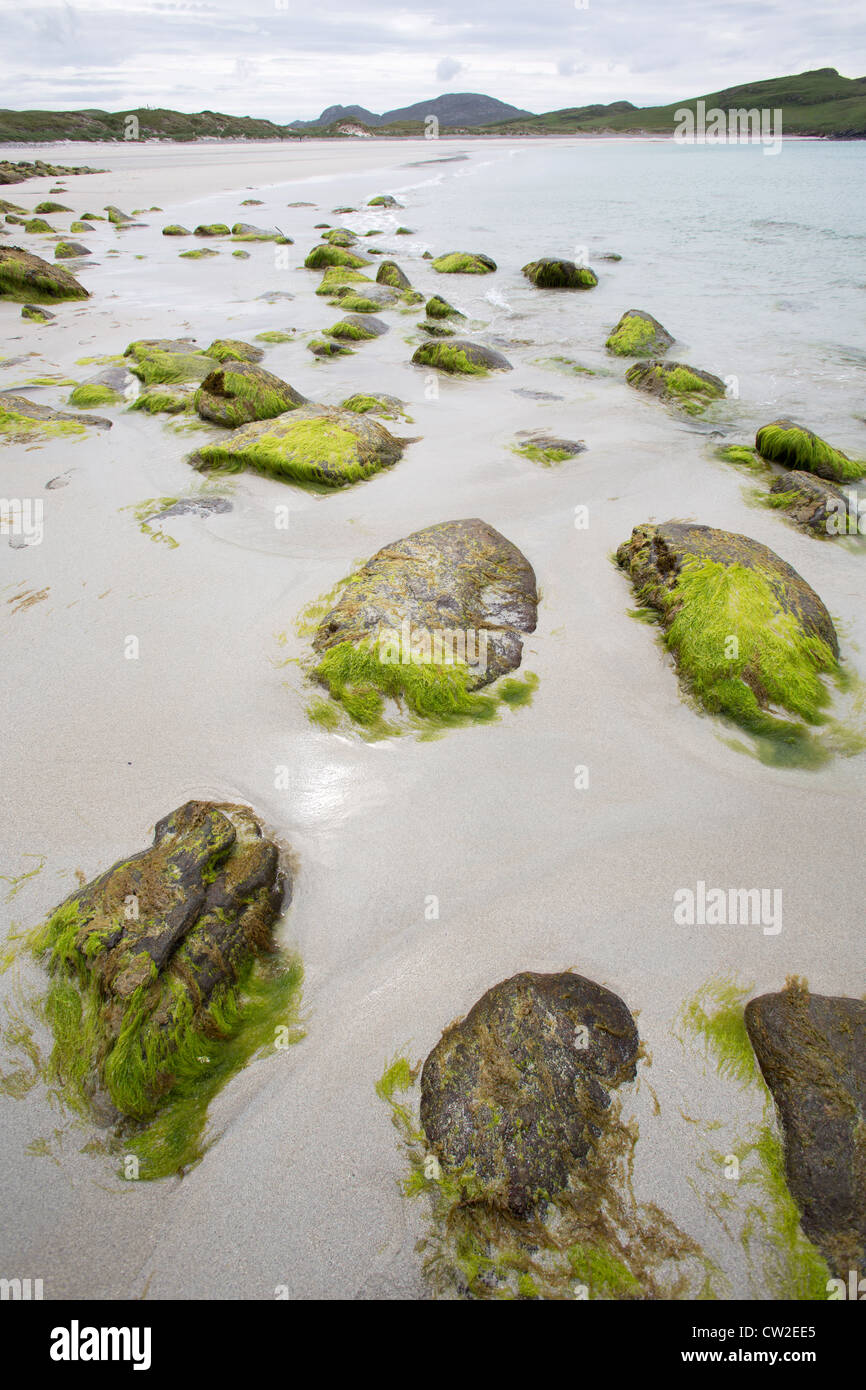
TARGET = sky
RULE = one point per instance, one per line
(289, 59)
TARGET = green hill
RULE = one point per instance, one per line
(153, 124)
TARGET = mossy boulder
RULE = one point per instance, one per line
(389, 273)
(148, 959)
(164, 400)
(676, 383)
(37, 226)
(20, 417)
(117, 217)
(238, 392)
(233, 350)
(458, 586)
(383, 200)
(106, 387)
(515, 1095)
(357, 327)
(460, 357)
(364, 403)
(549, 449)
(168, 360)
(436, 330)
(339, 236)
(37, 314)
(175, 229)
(335, 277)
(212, 229)
(329, 347)
(752, 641)
(812, 502)
(245, 231)
(796, 447)
(201, 253)
(84, 227)
(638, 334)
(439, 308)
(464, 263)
(46, 208)
(323, 257)
(313, 444)
(552, 274)
(70, 250)
(811, 1049)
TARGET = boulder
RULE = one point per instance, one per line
(324, 256)
(37, 314)
(238, 392)
(549, 448)
(687, 387)
(460, 357)
(168, 360)
(464, 263)
(365, 403)
(28, 278)
(17, 409)
(357, 327)
(106, 387)
(69, 250)
(233, 350)
(749, 635)
(175, 229)
(812, 502)
(811, 1049)
(389, 273)
(516, 1093)
(383, 200)
(796, 447)
(457, 577)
(151, 950)
(638, 334)
(212, 229)
(552, 274)
(439, 308)
(313, 444)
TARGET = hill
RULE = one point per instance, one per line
(466, 109)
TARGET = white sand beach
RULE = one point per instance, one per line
(300, 1189)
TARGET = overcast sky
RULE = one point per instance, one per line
(290, 58)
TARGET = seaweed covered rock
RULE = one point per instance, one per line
(336, 276)
(212, 229)
(233, 350)
(796, 447)
(687, 387)
(70, 250)
(44, 209)
(428, 620)
(18, 416)
(638, 334)
(339, 236)
(324, 256)
(368, 403)
(549, 449)
(357, 327)
(811, 1049)
(749, 635)
(245, 231)
(460, 357)
(147, 958)
(313, 444)
(117, 217)
(164, 400)
(464, 263)
(168, 360)
(812, 502)
(238, 392)
(37, 314)
(516, 1093)
(383, 200)
(175, 229)
(37, 226)
(552, 274)
(28, 278)
(106, 387)
(439, 308)
(389, 273)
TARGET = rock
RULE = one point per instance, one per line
(69, 250)
(339, 236)
(49, 207)
(610, 256)
(552, 274)
(357, 327)
(796, 447)
(638, 334)
(107, 387)
(323, 256)
(193, 506)
(464, 263)
(238, 392)
(383, 200)
(336, 276)
(812, 501)
(368, 301)
(549, 449)
(37, 226)
(200, 254)
(29, 278)
(19, 408)
(37, 313)
(257, 203)
(154, 980)
(461, 357)
(687, 387)
(168, 360)
(329, 347)
(233, 350)
(164, 400)
(85, 227)
(120, 219)
(245, 231)
(212, 229)
(175, 229)
(389, 273)
(455, 577)
(313, 444)
(272, 296)
(520, 1088)
(436, 330)
(748, 634)
(391, 407)
(811, 1049)
(438, 308)
(338, 212)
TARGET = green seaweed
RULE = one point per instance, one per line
(460, 263)
(798, 448)
(92, 394)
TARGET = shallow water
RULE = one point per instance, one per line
(755, 263)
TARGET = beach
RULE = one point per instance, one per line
(299, 1190)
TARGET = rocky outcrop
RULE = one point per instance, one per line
(517, 1092)
(811, 1049)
